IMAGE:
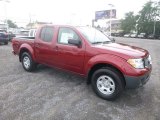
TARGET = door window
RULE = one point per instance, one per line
(47, 34)
(65, 34)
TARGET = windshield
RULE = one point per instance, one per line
(93, 35)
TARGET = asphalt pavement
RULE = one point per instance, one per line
(53, 94)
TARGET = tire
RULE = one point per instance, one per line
(107, 83)
(27, 62)
(6, 43)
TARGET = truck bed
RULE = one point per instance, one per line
(18, 41)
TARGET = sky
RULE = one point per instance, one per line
(78, 12)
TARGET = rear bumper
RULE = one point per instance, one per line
(4, 40)
(135, 82)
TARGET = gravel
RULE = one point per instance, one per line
(53, 94)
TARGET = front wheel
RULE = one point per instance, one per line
(27, 62)
(107, 83)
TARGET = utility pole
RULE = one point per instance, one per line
(111, 5)
(5, 11)
(155, 18)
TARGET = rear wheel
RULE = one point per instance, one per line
(6, 43)
(27, 62)
(107, 83)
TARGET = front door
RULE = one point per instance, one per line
(70, 57)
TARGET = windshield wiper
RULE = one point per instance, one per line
(106, 42)
(97, 42)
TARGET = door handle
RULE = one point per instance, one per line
(56, 48)
(37, 45)
(75, 50)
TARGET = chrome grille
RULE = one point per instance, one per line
(147, 62)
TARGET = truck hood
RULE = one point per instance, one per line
(122, 50)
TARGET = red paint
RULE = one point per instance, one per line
(81, 59)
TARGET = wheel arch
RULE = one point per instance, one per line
(26, 48)
(102, 65)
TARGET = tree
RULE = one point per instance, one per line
(11, 24)
(129, 23)
(145, 22)
(148, 17)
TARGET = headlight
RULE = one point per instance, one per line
(136, 63)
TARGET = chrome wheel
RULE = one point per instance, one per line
(106, 85)
(26, 62)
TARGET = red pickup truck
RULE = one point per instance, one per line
(108, 66)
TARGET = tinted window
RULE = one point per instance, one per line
(42, 33)
(47, 34)
(65, 34)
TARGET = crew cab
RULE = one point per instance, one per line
(110, 67)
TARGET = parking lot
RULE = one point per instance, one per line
(53, 94)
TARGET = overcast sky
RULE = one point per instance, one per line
(63, 11)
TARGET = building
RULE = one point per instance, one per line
(115, 26)
(3, 26)
(104, 25)
(36, 24)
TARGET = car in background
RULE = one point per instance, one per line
(4, 38)
(133, 35)
(24, 33)
(121, 34)
(142, 35)
(127, 35)
(32, 33)
(10, 34)
(151, 36)
(1, 30)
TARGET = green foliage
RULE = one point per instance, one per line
(147, 18)
(144, 21)
(11, 24)
(128, 24)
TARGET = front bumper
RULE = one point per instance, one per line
(135, 82)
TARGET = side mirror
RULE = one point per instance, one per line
(74, 42)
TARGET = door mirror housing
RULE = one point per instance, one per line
(74, 42)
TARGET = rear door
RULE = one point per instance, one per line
(43, 46)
